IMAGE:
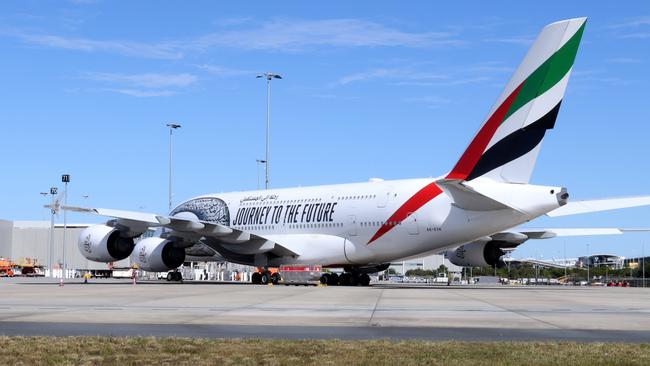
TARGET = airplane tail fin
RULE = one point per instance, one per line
(506, 146)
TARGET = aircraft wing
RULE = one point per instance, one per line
(509, 240)
(580, 207)
(190, 231)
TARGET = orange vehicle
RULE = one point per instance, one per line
(265, 275)
(29, 267)
(6, 268)
(287, 274)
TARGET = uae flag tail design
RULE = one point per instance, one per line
(507, 144)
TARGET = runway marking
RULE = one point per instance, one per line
(522, 314)
(370, 323)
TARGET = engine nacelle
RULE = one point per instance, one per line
(477, 255)
(157, 255)
(103, 243)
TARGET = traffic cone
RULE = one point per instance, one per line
(61, 282)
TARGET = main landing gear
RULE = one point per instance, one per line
(174, 276)
(265, 277)
(353, 275)
(345, 279)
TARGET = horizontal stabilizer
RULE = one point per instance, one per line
(509, 240)
(564, 232)
(467, 198)
(581, 207)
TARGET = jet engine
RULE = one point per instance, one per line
(103, 243)
(478, 254)
(157, 255)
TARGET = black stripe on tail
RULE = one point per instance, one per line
(515, 145)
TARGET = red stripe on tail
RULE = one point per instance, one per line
(473, 153)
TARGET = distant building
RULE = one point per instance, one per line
(21, 240)
(635, 263)
(599, 260)
(431, 263)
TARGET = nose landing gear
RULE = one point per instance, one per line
(174, 276)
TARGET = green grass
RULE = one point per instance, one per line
(182, 351)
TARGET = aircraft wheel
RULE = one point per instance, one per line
(256, 278)
(178, 276)
(170, 276)
(354, 280)
(333, 279)
(265, 278)
(275, 278)
(325, 279)
(364, 280)
(344, 279)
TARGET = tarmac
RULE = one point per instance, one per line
(216, 310)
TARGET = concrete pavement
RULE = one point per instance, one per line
(37, 306)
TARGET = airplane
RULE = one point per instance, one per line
(471, 214)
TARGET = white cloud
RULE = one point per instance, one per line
(392, 74)
(127, 48)
(623, 60)
(143, 85)
(143, 93)
(523, 41)
(276, 35)
(633, 23)
(225, 22)
(637, 35)
(432, 101)
(147, 80)
(292, 35)
(636, 28)
(221, 71)
(407, 76)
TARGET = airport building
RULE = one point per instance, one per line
(598, 260)
(430, 263)
(28, 241)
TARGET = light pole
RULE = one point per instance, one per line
(565, 265)
(259, 161)
(588, 264)
(53, 210)
(643, 262)
(172, 126)
(44, 194)
(65, 179)
(268, 76)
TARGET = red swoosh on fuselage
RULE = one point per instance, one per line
(422, 197)
(461, 170)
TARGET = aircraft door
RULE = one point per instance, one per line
(411, 223)
(382, 199)
(352, 225)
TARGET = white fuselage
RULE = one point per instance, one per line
(377, 221)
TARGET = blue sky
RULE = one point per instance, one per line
(370, 89)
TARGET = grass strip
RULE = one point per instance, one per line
(181, 351)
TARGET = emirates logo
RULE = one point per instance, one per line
(86, 244)
(143, 255)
